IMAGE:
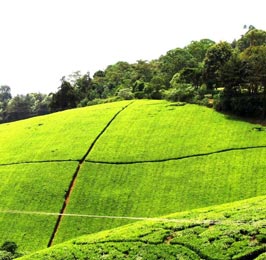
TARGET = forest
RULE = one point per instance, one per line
(231, 77)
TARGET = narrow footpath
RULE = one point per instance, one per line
(75, 175)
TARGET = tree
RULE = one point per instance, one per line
(234, 75)
(5, 94)
(255, 59)
(154, 88)
(82, 84)
(125, 93)
(64, 98)
(253, 37)
(174, 61)
(8, 251)
(9, 246)
(18, 107)
(198, 49)
(180, 91)
(192, 76)
(216, 57)
(118, 75)
(99, 86)
(39, 103)
(142, 71)
(5, 97)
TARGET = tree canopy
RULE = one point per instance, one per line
(232, 76)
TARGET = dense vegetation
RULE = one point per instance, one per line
(145, 158)
(8, 251)
(230, 231)
(22, 106)
(230, 76)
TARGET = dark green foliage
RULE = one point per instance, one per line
(8, 251)
(244, 81)
(216, 56)
(233, 75)
(154, 89)
(9, 247)
(18, 108)
(174, 61)
(5, 96)
(192, 76)
(65, 98)
(253, 37)
(198, 49)
(241, 105)
(22, 106)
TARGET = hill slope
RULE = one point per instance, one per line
(126, 159)
(230, 231)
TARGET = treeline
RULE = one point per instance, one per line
(22, 106)
(229, 76)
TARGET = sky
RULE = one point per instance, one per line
(43, 40)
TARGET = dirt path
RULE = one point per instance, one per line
(75, 175)
(181, 157)
(36, 162)
(136, 162)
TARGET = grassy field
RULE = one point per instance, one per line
(230, 231)
(60, 136)
(148, 158)
(156, 130)
(32, 187)
(155, 189)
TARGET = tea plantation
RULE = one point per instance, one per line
(229, 231)
(91, 169)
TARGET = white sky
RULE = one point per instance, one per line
(43, 40)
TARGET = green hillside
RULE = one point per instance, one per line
(155, 189)
(59, 136)
(130, 160)
(230, 231)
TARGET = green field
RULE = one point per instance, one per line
(143, 159)
(156, 130)
(230, 231)
(155, 189)
(59, 136)
(32, 187)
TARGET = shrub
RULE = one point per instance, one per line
(182, 92)
(125, 93)
(4, 255)
(9, 247)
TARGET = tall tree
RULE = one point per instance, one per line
(255, 58)
(5, 97)
(234, 75)
(65, 97)
(216, 57)
(118, 75)
(174, 61)
(18, 107)
(5, 94)
(253, 37)
(198, 49)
